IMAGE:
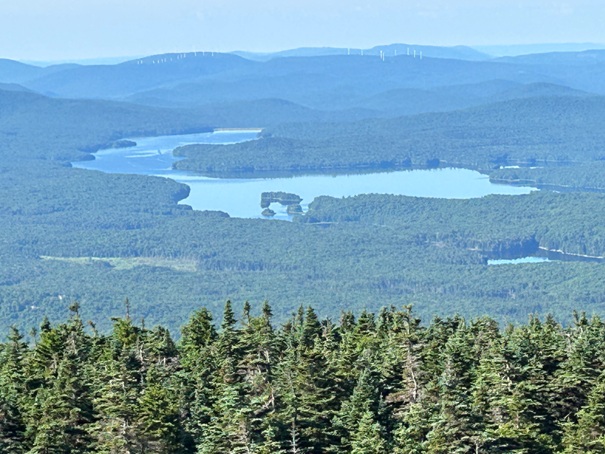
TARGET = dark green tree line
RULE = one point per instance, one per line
(372, 384)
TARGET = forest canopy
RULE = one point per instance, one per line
(372, 383)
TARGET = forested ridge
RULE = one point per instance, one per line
(373, 383)
(70, 234)
(323, 369)
(490, 224)
(98, 238)
(587, 176)
(540, 131)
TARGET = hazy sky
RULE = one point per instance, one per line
(71, 29)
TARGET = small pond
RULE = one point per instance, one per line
(518, 261)
(544, 255)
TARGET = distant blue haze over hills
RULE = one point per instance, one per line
(466, 52)
(390, 50)
(340, 112)
(322, 78)
(512, 50)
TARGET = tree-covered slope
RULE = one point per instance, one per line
(12, 71)
(560, 129)
(33, 126)
(69, 234)
(112, 81)
(333, 82)
(373, 383)
(586, 176)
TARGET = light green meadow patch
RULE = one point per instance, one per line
(127, 263)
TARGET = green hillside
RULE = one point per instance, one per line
(69, 234)
(532, 131)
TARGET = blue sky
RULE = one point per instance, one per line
(73, 29)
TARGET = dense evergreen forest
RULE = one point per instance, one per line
(69, 234)
(587, 176)
(373, 383)
(539, 131)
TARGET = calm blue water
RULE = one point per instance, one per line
(153, 155)
(518, 261)
(241, 197)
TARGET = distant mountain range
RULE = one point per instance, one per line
(512, 50)
(333, 84)
(390, 50)
(63, 231)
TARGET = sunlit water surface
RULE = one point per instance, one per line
(241, 197)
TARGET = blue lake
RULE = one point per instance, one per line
(241, 197)
(518, 261)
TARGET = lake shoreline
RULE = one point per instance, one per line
(241, 197)
(257, 130)
(542, 255)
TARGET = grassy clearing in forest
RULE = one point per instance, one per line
(127, 263)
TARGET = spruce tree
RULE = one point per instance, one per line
(198, 367)
(13, 399)
(368, 436)
(116, 403)
(363, 403)
(454, 424)
(63, 408)
(587, 435)
(228, 429)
